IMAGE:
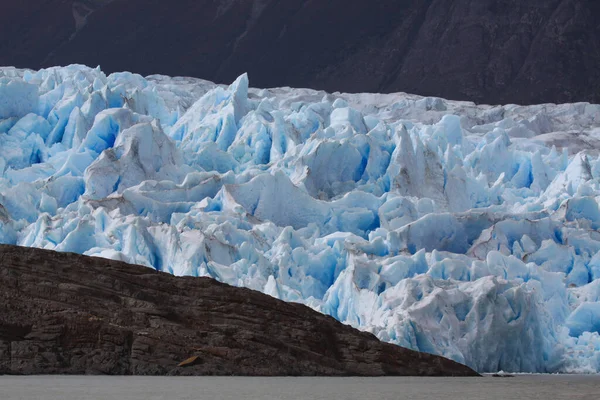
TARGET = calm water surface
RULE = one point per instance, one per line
(234, 388)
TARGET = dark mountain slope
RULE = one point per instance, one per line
(494, 51)
(70, 314)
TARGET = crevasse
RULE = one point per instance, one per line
(462, 230)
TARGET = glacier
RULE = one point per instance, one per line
(469, 231)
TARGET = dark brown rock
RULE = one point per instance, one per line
(491, 51)
(70, 314)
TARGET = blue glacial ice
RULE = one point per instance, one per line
(458, 229)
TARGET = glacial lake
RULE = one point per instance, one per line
(523, 387)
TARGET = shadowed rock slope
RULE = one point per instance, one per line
(63, 313)
(491, 51)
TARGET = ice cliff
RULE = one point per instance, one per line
(455, 229)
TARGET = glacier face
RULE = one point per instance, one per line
(441, 226)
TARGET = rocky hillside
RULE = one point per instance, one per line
(493, 51)
(70, 314)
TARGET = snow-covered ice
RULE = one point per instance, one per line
(462, 230)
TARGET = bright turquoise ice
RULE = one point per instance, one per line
(441, 226)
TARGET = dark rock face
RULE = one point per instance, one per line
(493, 51)
(70, 314)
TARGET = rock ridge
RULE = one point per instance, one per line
(62, 313)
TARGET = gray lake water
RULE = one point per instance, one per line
(547, 387)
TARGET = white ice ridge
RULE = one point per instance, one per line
(462, 230)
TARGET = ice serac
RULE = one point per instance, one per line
(276, 199)
(447, 227)
(140, 153)
(17, 98)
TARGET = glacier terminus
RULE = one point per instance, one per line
(468, 231)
